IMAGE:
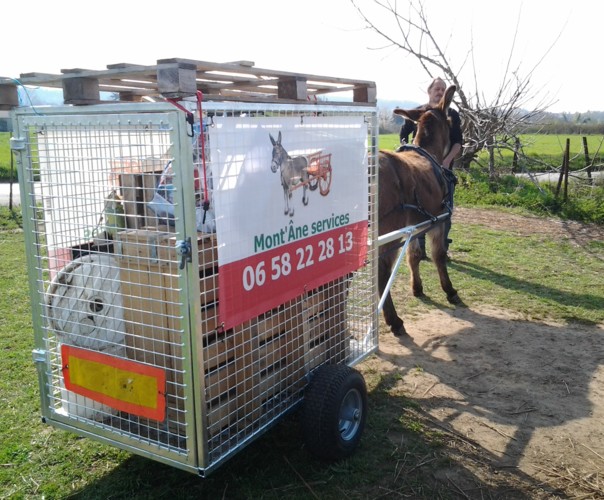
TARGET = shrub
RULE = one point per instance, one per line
(584, 203)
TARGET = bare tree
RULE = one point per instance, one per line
(492, 124)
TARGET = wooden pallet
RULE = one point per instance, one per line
(180, 78)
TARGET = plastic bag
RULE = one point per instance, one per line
(162, 203)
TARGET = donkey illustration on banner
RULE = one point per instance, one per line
(294, 173)
(413, 188)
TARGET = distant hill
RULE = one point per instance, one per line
(45, 96)
(390, 104)
(37, 96)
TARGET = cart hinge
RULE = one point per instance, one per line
(39, 355)
(183, 247)
(17, 143)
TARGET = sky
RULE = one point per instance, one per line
(322, 37)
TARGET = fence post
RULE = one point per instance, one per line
(564, 170)
(566, 162)
(515, 160)
(587, 160)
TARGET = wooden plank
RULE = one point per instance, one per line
(180, 78)
(9, 96)
(81, 91)
(177, 79)
(292, 88)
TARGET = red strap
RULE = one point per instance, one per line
(206, 194)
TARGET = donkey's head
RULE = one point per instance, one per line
(279, 153)
(433, 125)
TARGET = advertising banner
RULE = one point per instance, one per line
(291, 203)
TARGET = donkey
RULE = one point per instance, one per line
(294, 173)
(412, 189)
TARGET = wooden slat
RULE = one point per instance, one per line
(181, 78)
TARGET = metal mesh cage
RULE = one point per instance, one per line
(131, 344)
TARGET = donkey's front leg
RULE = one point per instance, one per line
(390, 316)
(286, 200)
(305, 194)
(290, 204)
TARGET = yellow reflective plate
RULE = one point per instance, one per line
(120, 383)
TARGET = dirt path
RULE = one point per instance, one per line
(529, 396)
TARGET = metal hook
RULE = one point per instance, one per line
(191, 120)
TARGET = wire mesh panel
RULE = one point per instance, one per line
(108, 301)
(182, 296)
(296, 277)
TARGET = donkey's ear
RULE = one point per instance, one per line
(445, 102)
(411, 114)
(272, 139)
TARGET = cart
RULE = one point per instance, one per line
(319, 172)
(181, 327)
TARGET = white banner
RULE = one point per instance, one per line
(291, 204)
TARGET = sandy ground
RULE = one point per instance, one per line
(529, 396)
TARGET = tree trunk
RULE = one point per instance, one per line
(491, 148)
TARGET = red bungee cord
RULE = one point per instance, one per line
(206, 196)
(206, 193)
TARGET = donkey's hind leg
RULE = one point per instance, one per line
(414, 257)
(439, 257)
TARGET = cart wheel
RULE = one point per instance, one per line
(334, 411)
(313, 183)
(325, 181)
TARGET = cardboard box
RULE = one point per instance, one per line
(150, 276)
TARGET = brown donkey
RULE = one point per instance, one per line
(412, 189)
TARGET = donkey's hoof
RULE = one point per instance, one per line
(454, 299)
(419, 292)
(398, 328)
(399, 332)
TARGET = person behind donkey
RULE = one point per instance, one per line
(436, 90)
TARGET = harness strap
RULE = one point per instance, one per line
(445, 178)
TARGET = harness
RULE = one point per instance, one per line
(446, 178)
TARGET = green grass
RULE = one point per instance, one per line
(547, 148)
(534, 276)
(5, 168)
(584, 202)
(528, 274)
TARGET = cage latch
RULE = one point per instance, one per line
(183, 247)
(39, 355)
(17, 143)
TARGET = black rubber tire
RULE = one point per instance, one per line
(334, 412)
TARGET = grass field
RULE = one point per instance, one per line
(560, 282)
(547, 148)
(543, 147)
(5, 169)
